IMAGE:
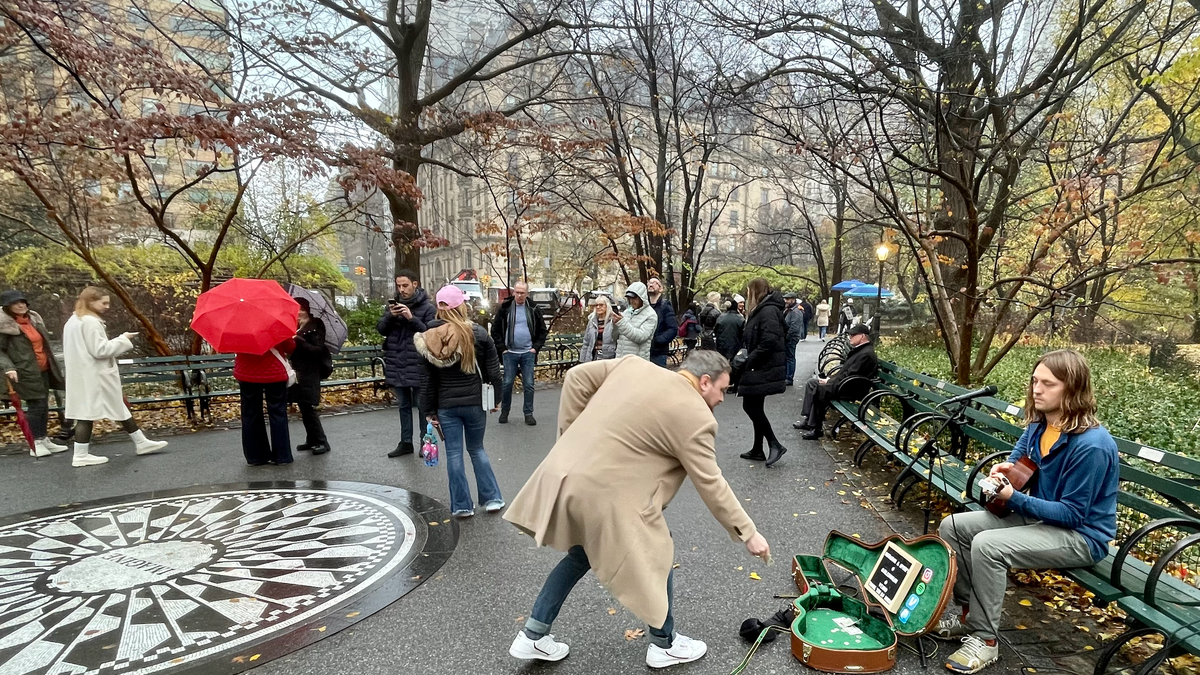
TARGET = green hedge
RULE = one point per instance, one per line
(1151, 406)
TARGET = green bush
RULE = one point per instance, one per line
(360, 324)
(1146, 405)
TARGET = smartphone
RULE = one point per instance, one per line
(392, 302)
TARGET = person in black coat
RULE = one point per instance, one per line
(409, 313)
(459, 358)
(309, 360)
(728, 331)
(519, 332)
(668, 324)
(861, 363)
(765, 370)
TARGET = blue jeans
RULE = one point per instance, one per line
(469, 421)
(406, 398)
(791, 359)
(558, 586)
(525, 362)
(824, 330)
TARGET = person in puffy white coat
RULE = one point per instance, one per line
(93, 380)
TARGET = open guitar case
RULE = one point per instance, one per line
(837, 633)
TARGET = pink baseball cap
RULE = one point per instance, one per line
(450, 297)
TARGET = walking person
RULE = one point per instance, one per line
(519, 332)
(599, 337)
(1067, 519)
(458, 358)
(807, 308)
(823, 311)
(847, 316)
(93, 379)
(407, 314)
(708, 320)
(793, 318)
(629, 434)
(30, 366)
(689, 328)
(635, 327)
(764, 373)
(312, 362)
(668, 326)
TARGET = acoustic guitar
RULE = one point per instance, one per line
(1021, 475)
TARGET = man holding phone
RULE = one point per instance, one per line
(407, 314)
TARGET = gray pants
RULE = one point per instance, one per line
(988, 546)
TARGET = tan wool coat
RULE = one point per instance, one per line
(629, 432)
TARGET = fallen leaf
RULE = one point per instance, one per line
(675, 566)
(1022, 627)
(856, 535)
(633, 634)
(255, 657)
(1025, 603)
(841, 492)
(1084, 629)
(754, 576)
(239, 659)
(446, 520)
(434, 523)
(1088, 648)
(812, 513)
(739, 568)
(611, 611)
(320, 630)
(519, 619)
(351, 615)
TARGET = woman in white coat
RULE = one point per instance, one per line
(93, 381)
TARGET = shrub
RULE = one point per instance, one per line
(360, 324)
(1147, 405)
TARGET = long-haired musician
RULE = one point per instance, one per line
(1068, 519)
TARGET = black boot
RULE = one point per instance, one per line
(402, 448)
(503, 417)
(755, 455)
(304, 447)
(802, 425)
(323, 447)
(813, 435)
(777, 451)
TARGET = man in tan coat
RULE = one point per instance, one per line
(629, 432)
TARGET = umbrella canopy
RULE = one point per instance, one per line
(318, 306)
(848, 284)
(867, 291)
(246, 316)
(22, 421)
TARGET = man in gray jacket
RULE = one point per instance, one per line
(635, 328)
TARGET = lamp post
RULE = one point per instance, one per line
(881, 253)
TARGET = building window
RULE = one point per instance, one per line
(733, 172)
(149, 106)
(764, 196)
(733, 196)
(733, 218)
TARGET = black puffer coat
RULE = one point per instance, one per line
(445, 385)
(401, 363)
(765, 338)
(728, 332)
(307, 360)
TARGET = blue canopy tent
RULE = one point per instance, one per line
(867, 291)
(848, 285)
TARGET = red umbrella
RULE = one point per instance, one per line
(21, 420)
(246, 316)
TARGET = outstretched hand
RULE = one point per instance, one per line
(758, 547)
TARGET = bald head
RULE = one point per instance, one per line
(520, 292)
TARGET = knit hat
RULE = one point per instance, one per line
(450, 297)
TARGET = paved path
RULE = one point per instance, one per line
(463, 619)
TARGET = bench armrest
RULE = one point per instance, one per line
(1160, 565)
(979, 467)
(1132, 540)
(856, 380)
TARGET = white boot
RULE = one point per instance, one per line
(145, 446)
(51, 445)
(39, 449)
(83, 458)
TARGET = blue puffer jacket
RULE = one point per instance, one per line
(402, 365)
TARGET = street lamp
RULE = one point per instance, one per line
(881, 253)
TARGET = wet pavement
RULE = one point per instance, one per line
(463, 618)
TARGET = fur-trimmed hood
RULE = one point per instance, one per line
(8, 324)
(440, 346)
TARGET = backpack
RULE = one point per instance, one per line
(690, 329)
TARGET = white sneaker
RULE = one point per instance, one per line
(52, 446)
(683, 650)
(39, 449)
(973, 656)
(149, 447)
(88, 460)
(544, 649)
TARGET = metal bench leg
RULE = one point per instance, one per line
(861, 453)
(899, 499)
(833, 431)
(1110, 651)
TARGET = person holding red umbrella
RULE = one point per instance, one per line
(257, 321)
(93, 380)
(32, 370)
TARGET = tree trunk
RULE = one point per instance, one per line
(406, 230)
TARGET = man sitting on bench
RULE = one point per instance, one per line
(1066, 521)
(818, 392)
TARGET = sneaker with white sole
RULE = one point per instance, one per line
(951, 628)
(494, 505)
(463, 513)
(149, 447)
(52, 446)
(543, 649)
(973, 656)
(683, 650)
(88, 460)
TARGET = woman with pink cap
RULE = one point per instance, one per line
(459, 358)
